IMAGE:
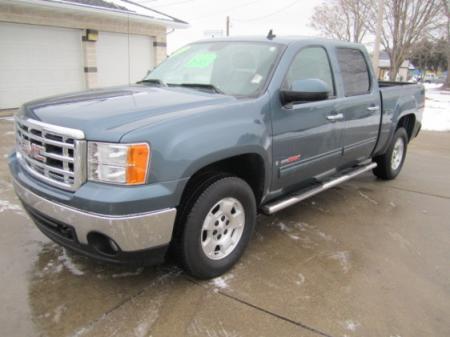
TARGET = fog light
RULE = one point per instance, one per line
(113, 245)
(103, 244)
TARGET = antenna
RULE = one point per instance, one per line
(270, 35)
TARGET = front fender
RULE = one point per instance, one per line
(182, 146)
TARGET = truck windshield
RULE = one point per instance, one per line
(231, 68)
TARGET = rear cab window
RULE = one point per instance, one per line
(354, 71)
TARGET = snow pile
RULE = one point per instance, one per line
(436, 116)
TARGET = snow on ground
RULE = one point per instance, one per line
(351, 325)
(436, 116)
(71, 266)
(343, 258)
(127, 274)
(5, 205)
(8, 118)
(221, 282)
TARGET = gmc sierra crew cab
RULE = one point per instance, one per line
(182, 161)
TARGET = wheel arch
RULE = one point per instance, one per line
(408, 122)
(240, 165)
(249, 166)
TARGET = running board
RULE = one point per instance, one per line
(292, 199)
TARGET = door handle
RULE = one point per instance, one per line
(335, 117)
(373, 108)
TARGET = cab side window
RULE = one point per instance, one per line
(354, 70)
(311, 63)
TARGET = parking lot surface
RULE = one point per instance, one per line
(368, 258)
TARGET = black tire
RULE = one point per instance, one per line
(191, 255)
(385, 169)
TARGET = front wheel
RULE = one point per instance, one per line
(218, 228)
(391, 163)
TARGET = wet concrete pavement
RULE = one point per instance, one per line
(368, 258)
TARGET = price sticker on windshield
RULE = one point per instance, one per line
(202, 60)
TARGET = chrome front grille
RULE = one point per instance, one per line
(54, 154)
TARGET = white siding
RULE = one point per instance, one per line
(122, 58)
(38, 61)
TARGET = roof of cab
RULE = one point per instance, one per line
(284, 40)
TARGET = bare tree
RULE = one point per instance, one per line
(341, 19)
(446, 7)
(405, 23)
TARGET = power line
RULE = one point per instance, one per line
(222, 11)
(291, 4)
(203, 16)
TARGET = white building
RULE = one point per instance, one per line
(49, 47)
(385, 65)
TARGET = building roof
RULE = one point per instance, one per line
(116, 7)
(384, 55)
(385, 62)
(99, 3)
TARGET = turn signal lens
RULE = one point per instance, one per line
(138, 156)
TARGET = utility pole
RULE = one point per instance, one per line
(376, 49)
(227, 25)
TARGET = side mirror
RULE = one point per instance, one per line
(308, 90)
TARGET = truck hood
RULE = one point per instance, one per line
(108, 114)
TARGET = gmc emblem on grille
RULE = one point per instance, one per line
(33, 150)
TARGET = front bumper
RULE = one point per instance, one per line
(135, 232)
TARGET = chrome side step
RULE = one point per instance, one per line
(292, 199)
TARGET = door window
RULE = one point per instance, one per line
(354, 71)
(311, 63)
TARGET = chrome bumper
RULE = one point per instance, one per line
(131, 232)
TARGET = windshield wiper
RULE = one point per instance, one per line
(200, 86)
(153, 81)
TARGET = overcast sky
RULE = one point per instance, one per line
(247, 17)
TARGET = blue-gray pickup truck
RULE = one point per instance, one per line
(180, 163)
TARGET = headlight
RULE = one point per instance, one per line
(118, 163)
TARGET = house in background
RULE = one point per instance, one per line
(404, 72)
(49, 47)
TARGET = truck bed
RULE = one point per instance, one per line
(398, 99)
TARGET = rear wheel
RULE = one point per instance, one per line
(217, 227)
(391, 162)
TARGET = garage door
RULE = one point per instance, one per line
(38, 61)
(123, 58)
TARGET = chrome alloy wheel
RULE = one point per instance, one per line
(397, 154)
(222, 228)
